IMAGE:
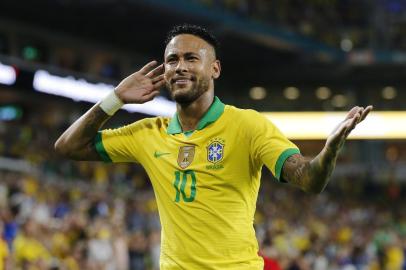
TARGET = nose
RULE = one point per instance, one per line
(181, 67)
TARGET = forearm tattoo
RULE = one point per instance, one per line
(77, 141)
(93, 122)
(91, 125)
(294, 169)
(311, 175)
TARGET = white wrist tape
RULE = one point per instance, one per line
(111, 103)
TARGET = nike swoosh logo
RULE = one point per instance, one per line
(158, 154)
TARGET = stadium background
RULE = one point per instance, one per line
(279, 56)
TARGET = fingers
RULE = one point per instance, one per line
(352, 112)
(151, 95)
(158, 78)
(156, 72)
(366, 111)
(149, 86)
(354, 121)
(361, 114)
(347, 126)
(343, 127)
(148, 67)
(152, 90)
(358, 115)
(158, 81)
(159, 84)
(354, 116)
(359, 110)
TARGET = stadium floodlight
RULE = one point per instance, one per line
(82, 90)
(296, 126)
(8, 75)
(318, 125)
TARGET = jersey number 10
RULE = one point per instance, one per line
(181, 179)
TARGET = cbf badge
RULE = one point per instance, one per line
(185, 156)
(215, 150)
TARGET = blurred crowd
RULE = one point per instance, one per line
(348, 25)
(54, 224)
(88, 215)
(377, 24)
(334, 230)
(59, 225)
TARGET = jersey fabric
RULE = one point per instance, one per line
(206, 182)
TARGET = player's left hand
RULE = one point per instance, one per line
(337, 138)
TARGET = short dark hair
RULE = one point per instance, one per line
(195, 30)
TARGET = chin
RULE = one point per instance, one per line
(184, 96)
(182, 99)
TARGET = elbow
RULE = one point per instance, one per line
(314, 190)
(61, 148)
(69, 150)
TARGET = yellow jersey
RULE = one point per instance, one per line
(205, 182)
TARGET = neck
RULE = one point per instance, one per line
(190, 114)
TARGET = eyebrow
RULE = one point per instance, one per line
(185, 54)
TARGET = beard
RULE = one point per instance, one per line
(190, 94)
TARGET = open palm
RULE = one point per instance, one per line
(143, 85)
(337, 138)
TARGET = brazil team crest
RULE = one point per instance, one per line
(185, 156)
(215, 151)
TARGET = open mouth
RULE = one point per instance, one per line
(181, 80)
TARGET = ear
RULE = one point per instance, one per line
(216, 69)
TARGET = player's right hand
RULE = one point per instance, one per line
(143, 85)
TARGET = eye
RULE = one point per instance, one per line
(171, 61)
(192, 58)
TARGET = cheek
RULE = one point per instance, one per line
(199, 70)
(206, 74)
(206, 70)
(168, 73)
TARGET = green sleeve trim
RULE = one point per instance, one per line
(281, 160)
(100, 148)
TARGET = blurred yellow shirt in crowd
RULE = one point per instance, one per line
(29, 249)
(206, 182)
(344, 235)
(71, 264)
(4, 253)
(30, 186)
(395, 258)
(60, 244)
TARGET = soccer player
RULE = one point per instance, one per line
(205, 162)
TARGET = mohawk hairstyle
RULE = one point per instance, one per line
(195, 30)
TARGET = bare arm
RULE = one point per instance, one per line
(312, 175)
(77, 141)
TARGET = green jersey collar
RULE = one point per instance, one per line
(215, 110)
